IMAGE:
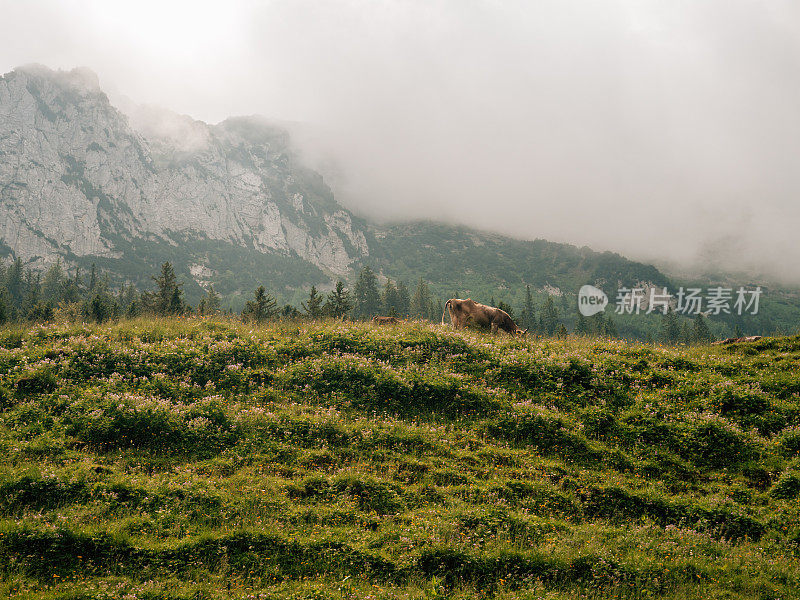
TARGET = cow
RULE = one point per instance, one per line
(468, 312)
(385, 320)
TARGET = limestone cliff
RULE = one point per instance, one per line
(83, 181)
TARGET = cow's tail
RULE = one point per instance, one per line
(446, 304)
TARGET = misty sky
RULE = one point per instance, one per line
(664, 130)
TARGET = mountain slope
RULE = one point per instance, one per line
(77, 180)
(228, 204)
(459, 258)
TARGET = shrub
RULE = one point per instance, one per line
(712, 442)
(787, 487)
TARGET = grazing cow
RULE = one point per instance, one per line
(468, 312)
(385, 320)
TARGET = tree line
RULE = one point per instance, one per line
(27, 295)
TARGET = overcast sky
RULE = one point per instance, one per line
(664, 130)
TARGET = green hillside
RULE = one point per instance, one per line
(210, 459)
(481, 263)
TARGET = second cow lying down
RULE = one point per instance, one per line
(468, 312)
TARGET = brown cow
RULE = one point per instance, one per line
(385, 320)
(468, 312)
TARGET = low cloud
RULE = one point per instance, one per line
(667, 131)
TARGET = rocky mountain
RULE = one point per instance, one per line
(82, 181)
(127, 187)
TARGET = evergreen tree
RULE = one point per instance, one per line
(212, 299)
(366, 299)
(391, 299)
(422, 305)
(549, 317)
(561, 331)
(670, 327)
(30, 308)
(686, 334)
(528, 316)
(5, 312)
(313, 306)
(102, 306)
(582, 325)
(126, 297)
(53, 284)
(15, 283)
(338, 303)
(261, 308)
(403, 299)
(597, 324)
(93, 279)
(167, 299)
(700, 331)
(611, 328)
(507, 308)
(438, 311)
(289, 312)
(176, 305)
(72, 288)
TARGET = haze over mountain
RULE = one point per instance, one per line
(666, 131)
(228, 204)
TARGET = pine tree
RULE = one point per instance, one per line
(53, 284)
(611, 328)
(93, 279)
(72, 288)
(438, 310)
(582, 325)
(403, 299)
(338, 303)
(670, 327)
(549, 317)
(507, 308)
(597, 324)
(101, 304)
(700, 331)
(422, 305)
(289, 312)
(561, 332)
(5, 312)
(14, 283)
(261, 308)
(366, 299)
(210, 303)
(686, 334)
(167, 299)
(528, 315)
(313, 306)
(390, 299)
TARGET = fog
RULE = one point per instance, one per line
(666, 130)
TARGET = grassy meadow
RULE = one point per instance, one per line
(211, 459)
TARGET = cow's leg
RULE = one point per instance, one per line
(494, 327)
